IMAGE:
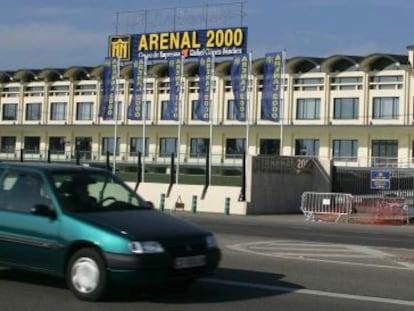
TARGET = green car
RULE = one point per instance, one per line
(88, 226)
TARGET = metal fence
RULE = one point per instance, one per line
(388, 207)
(326, 206)
(357, 181)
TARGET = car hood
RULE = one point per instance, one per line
(144, 224)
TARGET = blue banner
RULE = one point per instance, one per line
(239, 83)
(106, 110)
(174, 71)
(135, 111)
(272, 76)
(202, 109)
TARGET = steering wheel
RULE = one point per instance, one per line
(107, 199)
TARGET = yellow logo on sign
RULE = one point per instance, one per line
(119, 46)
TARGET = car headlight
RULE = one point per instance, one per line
(147, 247)
(211, 241)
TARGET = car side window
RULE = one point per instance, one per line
(20, 191)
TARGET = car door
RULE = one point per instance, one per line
(27, 239)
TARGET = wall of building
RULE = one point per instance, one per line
(363, 78)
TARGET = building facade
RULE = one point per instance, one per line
(357, 111)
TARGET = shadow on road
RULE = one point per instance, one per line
(224, 286)
(32, 278)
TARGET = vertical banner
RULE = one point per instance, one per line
(135, 110)
(239, 82)
(202, 110)
(174, 71)
(106, 110)
(272, 76)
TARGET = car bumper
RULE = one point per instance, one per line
(155, 269)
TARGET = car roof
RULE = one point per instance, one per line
(49, 167)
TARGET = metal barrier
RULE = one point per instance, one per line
(326, 206)
(380, 209)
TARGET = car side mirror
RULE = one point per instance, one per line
(150, 204)
(43, 210)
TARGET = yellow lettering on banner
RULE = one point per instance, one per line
(186, 42)
(175, 40)
(153, 41)
(164, 41)
(143, 43)
(194, 42)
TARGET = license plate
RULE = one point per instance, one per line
(190, 261)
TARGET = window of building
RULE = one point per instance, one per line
(307, 147)
(85, 89)
(135, 146)
(386, 82)
(345, 149)
(346, 80)
(57, 145)
(269, 146)
(194, 87)
(194, 112)
(346, 108)
(227, 86)
(163, 87)
(385, 108)
(309, 81)
(308, 84)
(120, 110)
(147, 109)
(58, 111)
(8, 144)
(108, 145)
(9, 112)
(384, 152)
(199, 147)
(83, 147)
(59, 90)
(235, 147)
(166, 113)
(168, 145)
(231, 109)
(386, 79)
(33, 91)
(194, 105)
(308, 109)
(412, 150)
(31, 144)
(84, 111)
(33, 111)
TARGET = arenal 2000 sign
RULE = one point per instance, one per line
(222, 41)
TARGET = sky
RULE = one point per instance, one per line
(39, 34)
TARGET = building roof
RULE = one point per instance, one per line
(300, 64)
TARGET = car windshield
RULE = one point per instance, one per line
(92, 191)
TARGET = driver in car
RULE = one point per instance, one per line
(79, 198)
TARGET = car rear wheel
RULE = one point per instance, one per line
(86, 274)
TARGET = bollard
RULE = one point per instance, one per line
(194, 204)
(227, 206)
(162, 202)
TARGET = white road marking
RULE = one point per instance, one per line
(312, 292)
(323, 252)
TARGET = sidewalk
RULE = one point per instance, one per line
(291, 219)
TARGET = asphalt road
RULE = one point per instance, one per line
(269, 262)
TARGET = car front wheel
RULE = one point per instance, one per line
(86, 275)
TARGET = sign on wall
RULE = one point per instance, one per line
(193, 43)
(380, 180)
